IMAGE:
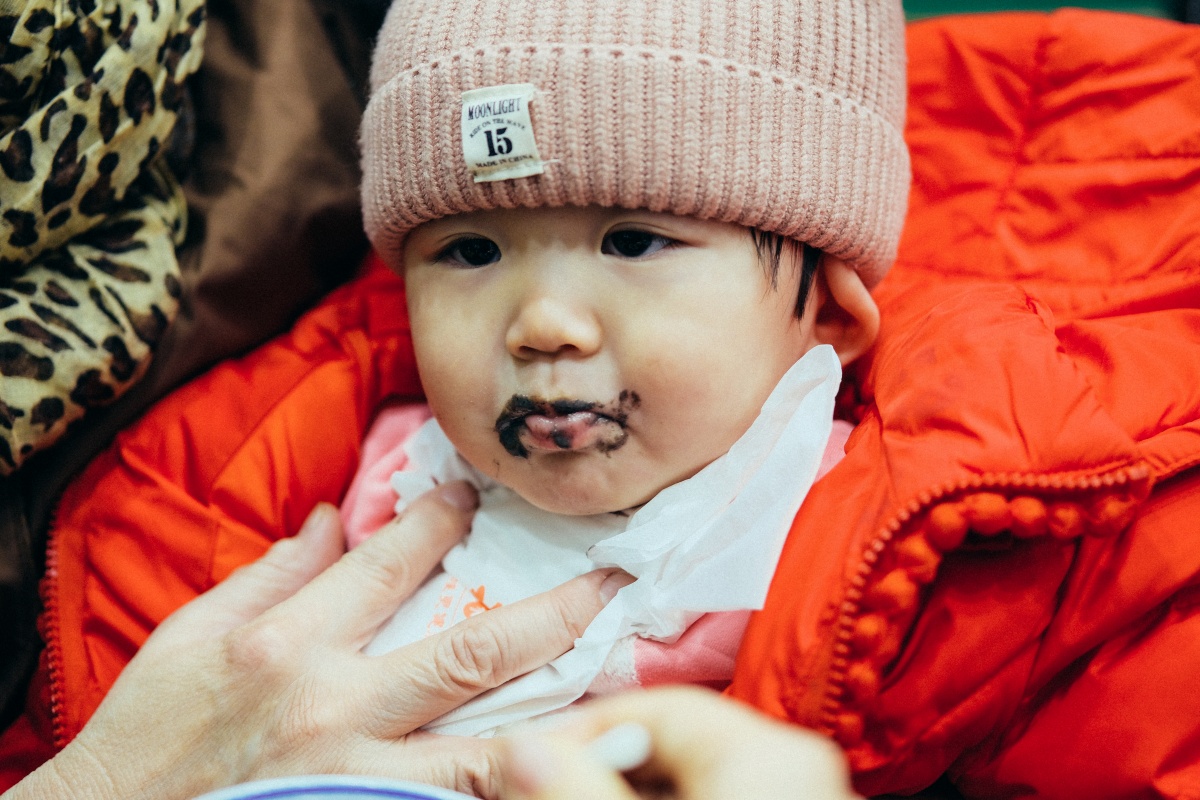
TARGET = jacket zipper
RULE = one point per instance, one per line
(52, 632)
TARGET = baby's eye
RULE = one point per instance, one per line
(471, 251)
(633, 243)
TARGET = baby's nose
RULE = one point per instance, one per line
(552, 326)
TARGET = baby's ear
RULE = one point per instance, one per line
(846, 315)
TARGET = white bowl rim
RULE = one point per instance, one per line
(309, 786)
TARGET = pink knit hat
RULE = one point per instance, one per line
(784, 115)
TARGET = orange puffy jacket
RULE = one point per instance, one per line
(1001, 580)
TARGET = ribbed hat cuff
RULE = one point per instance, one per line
(641, 128)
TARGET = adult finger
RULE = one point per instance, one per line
(349, 601)
(467, 765)
(426, 679)
(287, 566)
(540, 768)
(710, 746)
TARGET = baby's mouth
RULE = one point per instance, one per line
(559, 426)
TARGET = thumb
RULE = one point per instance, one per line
(537, 768)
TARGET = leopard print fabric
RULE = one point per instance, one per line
(91, 92)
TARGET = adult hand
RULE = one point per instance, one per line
(264, 674)
(703, 747)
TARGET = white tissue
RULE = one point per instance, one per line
(709, 543)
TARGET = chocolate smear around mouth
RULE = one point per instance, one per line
(511, 420)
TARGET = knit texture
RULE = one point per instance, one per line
(785, 116)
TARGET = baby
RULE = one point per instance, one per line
(638, 241)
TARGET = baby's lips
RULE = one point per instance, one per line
(570, 424)
(576, 431)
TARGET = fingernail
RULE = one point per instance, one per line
(615, 582)
(322, 515)
(532, 766)
(460, 495)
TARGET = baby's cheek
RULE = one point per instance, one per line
(725, 380)
(687, 404)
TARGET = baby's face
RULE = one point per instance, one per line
(588, 357)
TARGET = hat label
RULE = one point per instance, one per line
(497, 133)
